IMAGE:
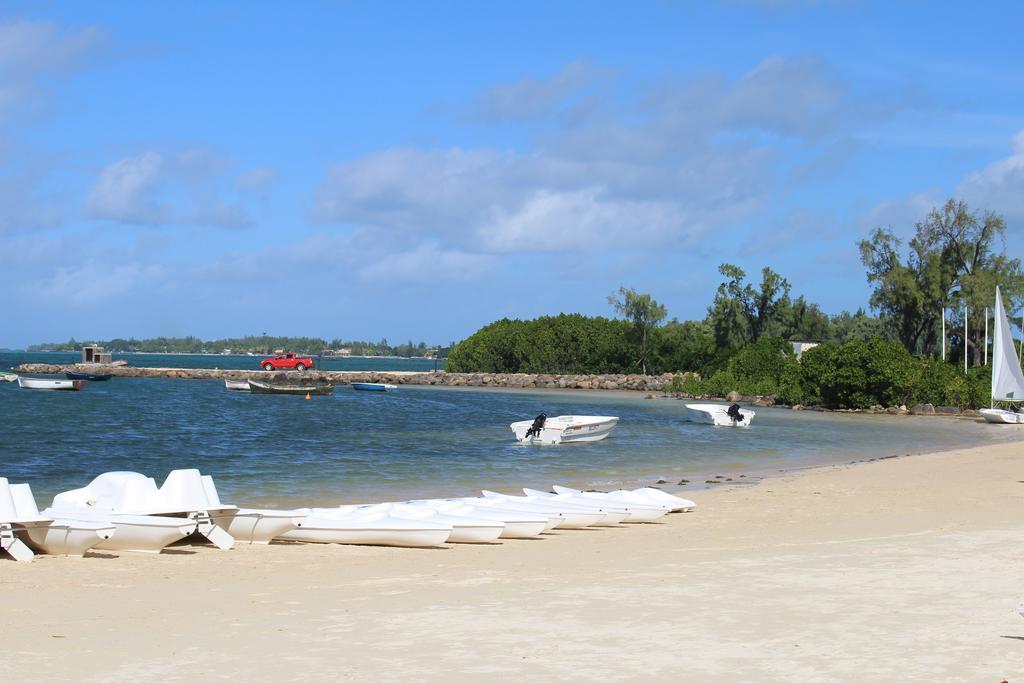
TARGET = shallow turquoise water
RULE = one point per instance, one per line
(416, 442)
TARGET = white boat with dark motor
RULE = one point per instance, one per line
(719, 415)
(544, 430)
(236, 384)
(24, 530)
(1007, 378)
(355, 527)
(51, 384)
(646, 494)
(637, 512)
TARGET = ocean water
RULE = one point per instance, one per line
(415, 442)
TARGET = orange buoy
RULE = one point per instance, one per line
(307, 395)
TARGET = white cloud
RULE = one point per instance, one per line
(126, 191)
(92, 284)
(536, 98)
(998, 187)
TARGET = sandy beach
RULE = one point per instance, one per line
(903, 569)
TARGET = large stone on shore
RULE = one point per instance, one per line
(922, 409)
(947, 410)
(733, 396)
(970, 412)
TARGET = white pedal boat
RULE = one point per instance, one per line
(347, 526)
(565, 429)
(635, 512)
(466, 528)
(23, 529)
(718, 415)
(646, 494)
(149, 518)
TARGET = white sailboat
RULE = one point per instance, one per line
(1007, 378)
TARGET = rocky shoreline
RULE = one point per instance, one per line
(648, 383)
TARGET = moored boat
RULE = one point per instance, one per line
(373, 386)
(88, 376)
(1007, 378)
(315, 389)
(8, 377)
(51, 384)
(563, 429)
(236, 384)
(719, 415)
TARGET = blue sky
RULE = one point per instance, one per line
(417, 170)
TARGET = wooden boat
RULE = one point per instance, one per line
(52, 384)
(373, 386)
(317, 389)
(1007, 378)
(563, 429)
(88, 376)
(719, 415)
(236, 384)
(8, 377)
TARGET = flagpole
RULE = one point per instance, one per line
(986, 335)
(965, 339)
(944, 333)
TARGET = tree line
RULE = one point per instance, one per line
(952, 264)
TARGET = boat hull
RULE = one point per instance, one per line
(88, 377)
(51, 384)
(1005, 417)
(372, 386)
(67, 537)
(715, 414)
(257, 387)
(261, 526)
(565, 429)
(378, 530)
(236, 384)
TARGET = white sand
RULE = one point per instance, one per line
(906, 569)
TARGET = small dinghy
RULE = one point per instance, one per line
(571, 516)
(8, 377)
(719, 415)
(373, 386)
(354, 527)
(646, 495)
(88, 376)
(563, 429)
(51, 384)
(315, 389)
(518, 524)
(23, 530)
(466, 527)
(236, 384)
(635, 512)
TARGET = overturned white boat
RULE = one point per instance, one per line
(1007, 378)
(570, 515)
(236, 384)
(646, 494)
(517, 523)
(359, 527)
(466, 526)
(563, 429)
(24, 530)
(719, 415)
(634, 512)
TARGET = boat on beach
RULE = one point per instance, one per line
(563, 429)
(88, 376)
(24, 531)
(646, 494)
(315, 389)
(719, 415)
(618, 511)
(354, 526)
(51, 384)
(373, 386)
(1007, 378)
(236, 384)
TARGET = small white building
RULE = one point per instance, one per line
(801, 345)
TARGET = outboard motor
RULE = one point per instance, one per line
(538, 424)
(734, 413)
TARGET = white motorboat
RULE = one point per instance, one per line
(150, 517)
(336, 525)
(1007, 378)
(51, 384)
(635, 512)
(236, 384)
(563, 429)
(719, 415)
(23, 529)
(642, 495)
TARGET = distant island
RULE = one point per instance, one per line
(256, 344)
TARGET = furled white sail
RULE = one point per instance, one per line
(1007, 379)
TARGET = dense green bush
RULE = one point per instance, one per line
(859, 374)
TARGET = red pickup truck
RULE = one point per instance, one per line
(286, 361)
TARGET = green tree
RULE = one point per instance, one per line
(644, 312)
